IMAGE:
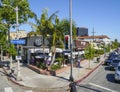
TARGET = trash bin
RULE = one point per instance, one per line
(98, 59)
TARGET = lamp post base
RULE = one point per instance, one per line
(18, 71)
(71, 78)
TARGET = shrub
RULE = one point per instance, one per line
(55, 67)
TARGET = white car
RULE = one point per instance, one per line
(117, 73)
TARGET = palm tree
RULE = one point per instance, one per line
(50, 25)
(45, 25)
(60, 29)
(65, 24)
(57, 36)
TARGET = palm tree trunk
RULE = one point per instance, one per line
(53, 54)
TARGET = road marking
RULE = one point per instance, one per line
(102, 87)
(29, 91)
(8, 89)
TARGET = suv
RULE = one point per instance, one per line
(117, 73)
(114, 63)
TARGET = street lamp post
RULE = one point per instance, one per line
(71, 48)
(17, 37)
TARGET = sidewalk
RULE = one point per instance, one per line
(31, 79)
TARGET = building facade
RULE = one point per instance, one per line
(102, 38)
(21, 34)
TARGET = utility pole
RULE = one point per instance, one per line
(71, 47)
(93, 32)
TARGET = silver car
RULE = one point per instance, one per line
(117, 73)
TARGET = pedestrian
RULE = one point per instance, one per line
(78, 62)
(48, 61)
(33, 60)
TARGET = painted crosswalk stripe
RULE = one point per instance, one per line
(29, 91)
(102, 87)
(8, 89)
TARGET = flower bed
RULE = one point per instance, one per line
(48, 72)
(38, 70)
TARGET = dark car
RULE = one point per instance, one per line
(110, 58)
(114, 63)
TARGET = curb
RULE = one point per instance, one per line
(11, 78)
(81, 79)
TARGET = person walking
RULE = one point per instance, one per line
(33, 60)
(78, 62)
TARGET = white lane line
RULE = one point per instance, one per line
(29, 91)
(8, 89)
(102, 87)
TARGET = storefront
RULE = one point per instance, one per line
(34, 47)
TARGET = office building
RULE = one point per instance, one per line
(82, 31)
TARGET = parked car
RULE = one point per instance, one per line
(110, 58)
(114, 63)
(117, 73)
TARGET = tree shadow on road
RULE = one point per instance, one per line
(110, 78)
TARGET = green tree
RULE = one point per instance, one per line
(65, 27)
(8, 16)
(8, 12)
(57, 36)
(115, 44)
(89, 52)
(46, 26)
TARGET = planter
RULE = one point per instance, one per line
(38, 70)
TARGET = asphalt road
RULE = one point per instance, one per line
(101, 80)
(8, 86)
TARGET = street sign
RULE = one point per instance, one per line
(18, 41)
(18, 58)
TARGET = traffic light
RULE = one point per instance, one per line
(67, 42)
(19, 51)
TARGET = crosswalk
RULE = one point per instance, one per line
(9, 89)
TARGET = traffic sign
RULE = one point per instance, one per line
(18, 58)
(18, 41)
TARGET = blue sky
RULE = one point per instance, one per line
(102, 15)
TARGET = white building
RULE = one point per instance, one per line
(98, 39)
